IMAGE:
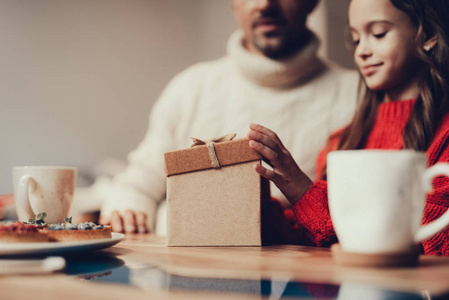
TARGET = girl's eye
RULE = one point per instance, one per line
(356, 42)
(380, 35)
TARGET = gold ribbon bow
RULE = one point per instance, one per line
(211, 147)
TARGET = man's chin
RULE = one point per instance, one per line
(270, 47)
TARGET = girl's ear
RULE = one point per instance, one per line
(430, 43)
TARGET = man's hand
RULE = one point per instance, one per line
(286, 174)
(129, 222)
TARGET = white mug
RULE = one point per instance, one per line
(377, 199)
(44, 189)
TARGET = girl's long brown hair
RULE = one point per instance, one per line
(430, 18)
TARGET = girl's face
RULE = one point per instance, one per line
(384, 44)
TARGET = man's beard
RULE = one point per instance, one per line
(278, 46)
(273, 46)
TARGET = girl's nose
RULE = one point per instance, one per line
(363, 50)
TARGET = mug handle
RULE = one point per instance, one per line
(22, 198)
(437, 225)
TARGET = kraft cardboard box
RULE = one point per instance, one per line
(210, 205)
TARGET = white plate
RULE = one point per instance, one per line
(58, 247)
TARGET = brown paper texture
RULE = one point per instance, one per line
(197, 158)
(215, 207)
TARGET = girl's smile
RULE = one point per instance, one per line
(369, 70)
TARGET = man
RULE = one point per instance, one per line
(270, 75)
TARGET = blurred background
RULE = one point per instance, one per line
(78, 78)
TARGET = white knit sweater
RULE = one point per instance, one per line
(301, 98)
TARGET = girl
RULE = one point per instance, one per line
(401, 49)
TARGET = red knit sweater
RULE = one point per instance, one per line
(313, 225)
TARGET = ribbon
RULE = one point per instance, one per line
(211, 147)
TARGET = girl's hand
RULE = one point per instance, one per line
(286, 174)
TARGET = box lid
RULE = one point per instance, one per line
(198, 158)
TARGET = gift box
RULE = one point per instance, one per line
(214, 195)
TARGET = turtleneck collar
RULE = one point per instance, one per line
(395, 110)
(267, 72)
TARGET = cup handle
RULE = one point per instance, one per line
(22, 197)
(437, 225)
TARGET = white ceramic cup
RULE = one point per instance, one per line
(377, 199)
(44, 189)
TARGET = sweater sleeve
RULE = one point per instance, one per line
(311, 213)
(308, 222)
(437, 201)
(142, 185)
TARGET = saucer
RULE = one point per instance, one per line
(375, 260)
(58, 248)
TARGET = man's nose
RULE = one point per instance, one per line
(266, 4)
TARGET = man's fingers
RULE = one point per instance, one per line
(116, 222)
(141, 221)
(104, 220)
(129, 221)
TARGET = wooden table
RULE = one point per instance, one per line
(140, 253)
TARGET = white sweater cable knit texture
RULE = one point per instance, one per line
(302, 99)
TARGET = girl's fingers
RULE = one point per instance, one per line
(265, 131)
(268, 162)
(257, 127)
(262, 129)
(262, 171)
(263, 139)
(268, 174)
(266, 152)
